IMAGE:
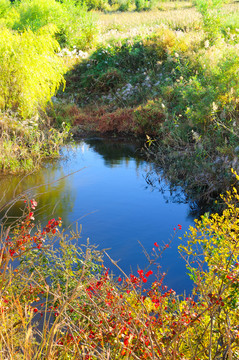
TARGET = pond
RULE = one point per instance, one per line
(103, 184)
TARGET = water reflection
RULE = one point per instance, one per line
(50, 187)
(114, 152)
(114, 201)
(157, 180)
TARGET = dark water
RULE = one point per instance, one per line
(113, 200)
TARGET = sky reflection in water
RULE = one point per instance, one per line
(112, 200)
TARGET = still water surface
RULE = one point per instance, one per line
(113, 200)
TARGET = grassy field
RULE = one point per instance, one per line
(178, 15)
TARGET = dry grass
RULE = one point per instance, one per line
(130, 24)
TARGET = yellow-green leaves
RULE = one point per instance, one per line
(30, 70)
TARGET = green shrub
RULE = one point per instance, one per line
(8, 15)
(96, 4)
(30, 70)
(210, 11)
(75, 26)
(143, 5)
(4, 7)
(124, 5)
(37, 13)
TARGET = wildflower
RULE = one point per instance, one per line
(156, 244)
(119, 279)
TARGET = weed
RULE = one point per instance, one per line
(25, 144)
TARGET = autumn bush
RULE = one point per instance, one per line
(60, 301)
(147, 119)
(30, 70)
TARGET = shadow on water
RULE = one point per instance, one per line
(115, 151)
(157, 180)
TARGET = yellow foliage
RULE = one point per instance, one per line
(30, 70)
(212, 255)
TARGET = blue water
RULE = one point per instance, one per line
(112, 201)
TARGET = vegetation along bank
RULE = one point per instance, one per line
(172, 75)
(167, 71)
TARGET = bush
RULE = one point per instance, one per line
(36, 14)
(5, 6)
(75, 26)
(212, 92)
(96, 4)
(149, 117)
(30, 70)
(142, 5)
(8, 15)
(210, 11)
(124, 5)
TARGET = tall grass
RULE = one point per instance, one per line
(25, 143)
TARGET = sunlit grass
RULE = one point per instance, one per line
(130, 24)
(176, 15)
